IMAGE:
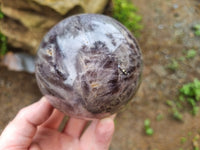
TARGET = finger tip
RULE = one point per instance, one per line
(34, 147)
(105, 129)
(39, 112)
(113, 116)
(44, 99)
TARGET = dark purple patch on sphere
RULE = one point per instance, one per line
(89, 66)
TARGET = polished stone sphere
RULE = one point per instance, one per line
(89, 66)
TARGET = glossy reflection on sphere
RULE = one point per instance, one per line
(89, 66)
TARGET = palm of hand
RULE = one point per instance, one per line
(47, 139)
(36, 128)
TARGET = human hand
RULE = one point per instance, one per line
(36, 128)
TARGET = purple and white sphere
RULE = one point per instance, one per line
(89, 66)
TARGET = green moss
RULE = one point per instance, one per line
(125, 12)
(1, 14)
(3, 44)
(3, 40)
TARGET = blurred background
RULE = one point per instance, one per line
(164, 114)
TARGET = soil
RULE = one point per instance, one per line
(167, 35)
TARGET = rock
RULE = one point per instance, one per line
(27, 21)
(12, 62)
(36, 21)
(21, 37)
(19, 62)
(64, 6)
(89, 66)
(28, 5)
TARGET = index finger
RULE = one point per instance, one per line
(21, 130)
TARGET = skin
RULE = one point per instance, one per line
(35, 127)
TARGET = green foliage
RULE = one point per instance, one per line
(191, 93)
(196, 148)
(125, 12)
(159, 117)
(177, 115)
(191, 53)
(173, 65)
(182, 58)
(170, 103)
(195, 141)
(1, 14)
(3, 40)
(148, 129)
(147, 123)
(189, 133)
(3, 44)
(188, 99)
(183, 140)
(197, 29)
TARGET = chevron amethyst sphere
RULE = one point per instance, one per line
(89, 66)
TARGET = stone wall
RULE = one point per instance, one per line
(26, 21)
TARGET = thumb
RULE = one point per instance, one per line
(98, 136)
(103, 133)
(19, 132)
